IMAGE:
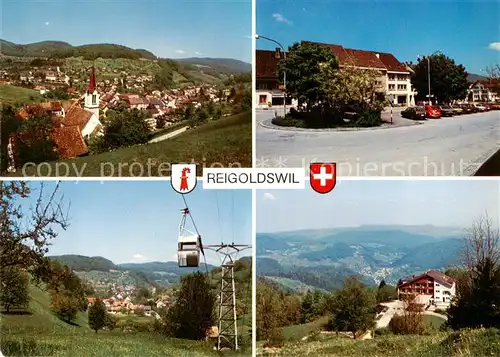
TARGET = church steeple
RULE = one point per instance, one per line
(91, 87)
(91, 96)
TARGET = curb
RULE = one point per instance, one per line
(269, 125)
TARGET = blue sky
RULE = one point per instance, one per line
(137, 221)
(467, 31)
(168, 28)
(353, 203)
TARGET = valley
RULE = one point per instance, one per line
(323, 258)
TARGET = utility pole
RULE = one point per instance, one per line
(228, 319)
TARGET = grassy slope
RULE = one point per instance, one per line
(12, 94)
(226, 141)
(42, 333)
(472, 344)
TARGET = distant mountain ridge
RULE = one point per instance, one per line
(60, 49)
(324, 257)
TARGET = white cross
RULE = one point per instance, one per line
(322, 176)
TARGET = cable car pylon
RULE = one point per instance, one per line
(228, 318)
(188, 252)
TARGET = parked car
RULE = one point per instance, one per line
(446, 110)
(416, 113)
(432, 112)
(495, 106)
(468, 108)
(480, 107)
(457, 109)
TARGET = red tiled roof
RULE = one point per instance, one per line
(91, 87)
(52, 106)
(433, 274)
(362, 58)
(266, 63)
(69, 142)
(392, 64)
(77, 116)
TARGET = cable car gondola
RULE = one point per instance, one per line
(189, 245)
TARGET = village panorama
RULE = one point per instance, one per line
(109, 110)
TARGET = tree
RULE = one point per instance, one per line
(161, 120)
(142, 294)
(210, 108)
(33, 139)
(218, 113)
(268, 312)
(26, 233)
(386, 292)
(353, 308)
(188, 111)
(382, 284)
(352, 87)
(221, 95)
(97, 315)
(14, 288)
(304, 74)
(201, 115)
(308, 307)
(448, 80)
(126, 128)
(8, 126)
(477, 302)
(64, 304)
(192, 312)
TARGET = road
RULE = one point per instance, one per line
(396, 308)
(449, 146)
(169, 135)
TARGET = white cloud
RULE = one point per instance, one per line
(138, 257)
(494, 46)
(269, 196)
(198, 53)
(281, 18)
(47, 23)
(181, 52)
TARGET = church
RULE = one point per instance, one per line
(73, 125)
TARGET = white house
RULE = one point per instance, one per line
(483, 91)
(433, 286)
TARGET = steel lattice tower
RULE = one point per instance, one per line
(228, 324)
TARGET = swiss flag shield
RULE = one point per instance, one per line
(322, 176)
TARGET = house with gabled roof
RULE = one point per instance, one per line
(435, 287)
(394, 79)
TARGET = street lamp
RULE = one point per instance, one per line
(258, 37)
(429, 71)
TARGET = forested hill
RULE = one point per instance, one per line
(84, 263)
(58, 49)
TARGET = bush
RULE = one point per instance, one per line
(275, 338)
(289, 121)
(369, 118)
(408, 324)
(383, 331)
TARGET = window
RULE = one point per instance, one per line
(94, 99)
(391, 86)
(262, 99)
(437, 284)
(437, 291)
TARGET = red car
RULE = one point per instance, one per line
(432, 112)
